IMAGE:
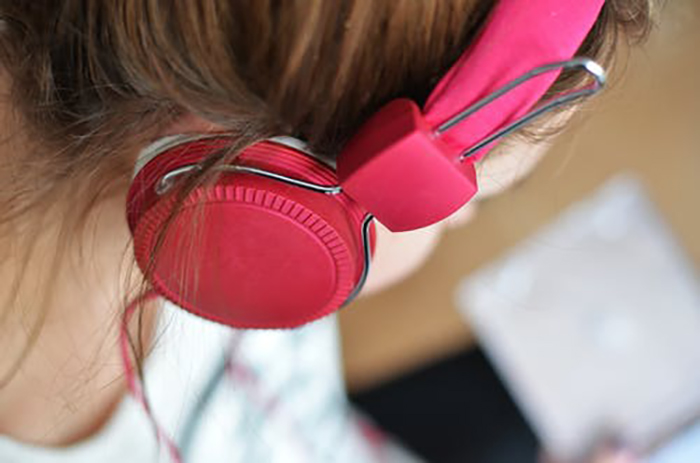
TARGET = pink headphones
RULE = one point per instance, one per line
(283, 239)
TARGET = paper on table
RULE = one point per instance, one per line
(594, 323)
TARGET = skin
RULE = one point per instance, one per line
(71, 381)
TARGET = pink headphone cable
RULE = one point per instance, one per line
(134, 382)
(233, 369)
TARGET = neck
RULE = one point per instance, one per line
(62, 370)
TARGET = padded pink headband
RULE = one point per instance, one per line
(407, 165)
(505, 50)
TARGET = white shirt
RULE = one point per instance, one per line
(281, 399)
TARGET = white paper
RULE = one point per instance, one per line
(594, 323)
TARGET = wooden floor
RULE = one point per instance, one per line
(647, 124)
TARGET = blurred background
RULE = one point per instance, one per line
(479, 358)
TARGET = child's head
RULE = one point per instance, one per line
(88, 78)
(88, 83)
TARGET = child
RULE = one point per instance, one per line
(88, 85)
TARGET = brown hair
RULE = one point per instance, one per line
(92, 80)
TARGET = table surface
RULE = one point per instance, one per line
(647, 124)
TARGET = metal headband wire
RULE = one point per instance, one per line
(367, 256)
(588, 65)
(168, 180)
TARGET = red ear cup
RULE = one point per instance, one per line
(249, 251)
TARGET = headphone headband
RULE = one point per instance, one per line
(519, 36)
(282, 239)
(406, 148)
